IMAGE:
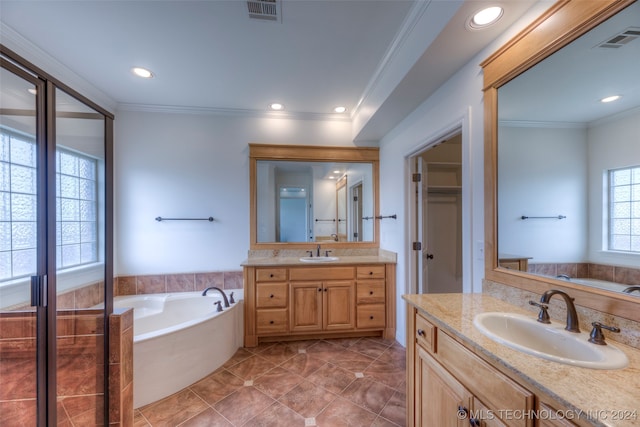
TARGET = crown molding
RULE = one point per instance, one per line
(231, 112)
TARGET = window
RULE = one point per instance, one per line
(624, 209)
(76, 207)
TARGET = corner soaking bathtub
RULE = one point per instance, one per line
(179, 338)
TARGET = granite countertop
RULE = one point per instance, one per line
(601, 394)
(295, 261)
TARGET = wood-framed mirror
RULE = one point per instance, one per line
(543, 42)
(298, 196)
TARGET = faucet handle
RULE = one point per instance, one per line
(326, 253)
(596, 336)
(218, 305)
(310, 254)
(543, 315)
(231, 300)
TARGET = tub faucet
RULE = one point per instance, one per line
(631, 289)
(572, 316)
(224, 296)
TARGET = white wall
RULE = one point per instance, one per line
(613, 143)
(543, 172)
(189, 165)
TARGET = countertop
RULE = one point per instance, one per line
(601, 394)
(285, 261)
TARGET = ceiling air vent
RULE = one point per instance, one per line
(621, 39)
(264, 9)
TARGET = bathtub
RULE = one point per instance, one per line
(179, 338)
(600, 284)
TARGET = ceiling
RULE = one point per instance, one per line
(378, 58)
(578, 76)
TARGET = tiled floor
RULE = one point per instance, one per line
(341, 382)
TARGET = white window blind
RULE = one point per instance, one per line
(624, 209)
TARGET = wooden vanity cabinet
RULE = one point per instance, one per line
(318, 301)
(449, 385)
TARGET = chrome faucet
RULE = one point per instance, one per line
(631, 289)
(224, 296)
(572, 315)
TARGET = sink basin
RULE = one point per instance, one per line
(548, 341)
(319, 259)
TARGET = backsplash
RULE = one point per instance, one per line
(610, 273)
(629, 330)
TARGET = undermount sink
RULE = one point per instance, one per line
(319, 259)
(548, 341)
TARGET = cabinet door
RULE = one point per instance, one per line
(306, 306)
(339, 305)
(441, 401)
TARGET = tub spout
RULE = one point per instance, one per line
(224, 296)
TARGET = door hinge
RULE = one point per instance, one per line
(416, 177)
(39, 291)
(355, 198)
(355, 235)
(417, 246)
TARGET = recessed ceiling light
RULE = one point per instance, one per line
(340, 109)
(276, 106)
(336, 171)
(142, 72)
(610, 98)
(485, 17)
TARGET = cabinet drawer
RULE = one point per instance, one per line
(370, 292)
(272, 321)
(425, 333)
(271, 295)
(271, 274)
(370, 316)
(370, 272)
(321, 273)
(492, 387)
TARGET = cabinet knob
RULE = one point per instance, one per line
(462, 412)
(474, 422)
(319, 289)
(271, 296)
(271, 275)
(371, 317)
(370, 292)
(325, 289)
(271, 322)
(421, 332)
(370, 273)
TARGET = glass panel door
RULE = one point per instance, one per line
(80, 261)
(21, 247)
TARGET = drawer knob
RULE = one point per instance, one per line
(370, 292)
(271, 275)
(371, 317)
(271, 322)
(271, 296)
(421, 333)
(325, 289)
(370, 273)
(319, 289)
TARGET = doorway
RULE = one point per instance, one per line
(437, 231)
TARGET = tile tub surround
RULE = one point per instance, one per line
(629, 330)
(355, 381)
(176, 282)
(609, 273)
(80, 367)
(571, 388)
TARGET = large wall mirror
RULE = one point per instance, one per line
(564, 167)
(305, 195)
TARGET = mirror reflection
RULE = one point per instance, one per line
(569, 163)
(306, 201)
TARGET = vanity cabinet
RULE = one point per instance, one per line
(449, 385)
(288, 302)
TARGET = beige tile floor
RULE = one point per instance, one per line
(341, 382)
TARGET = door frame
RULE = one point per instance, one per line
(462, 126)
